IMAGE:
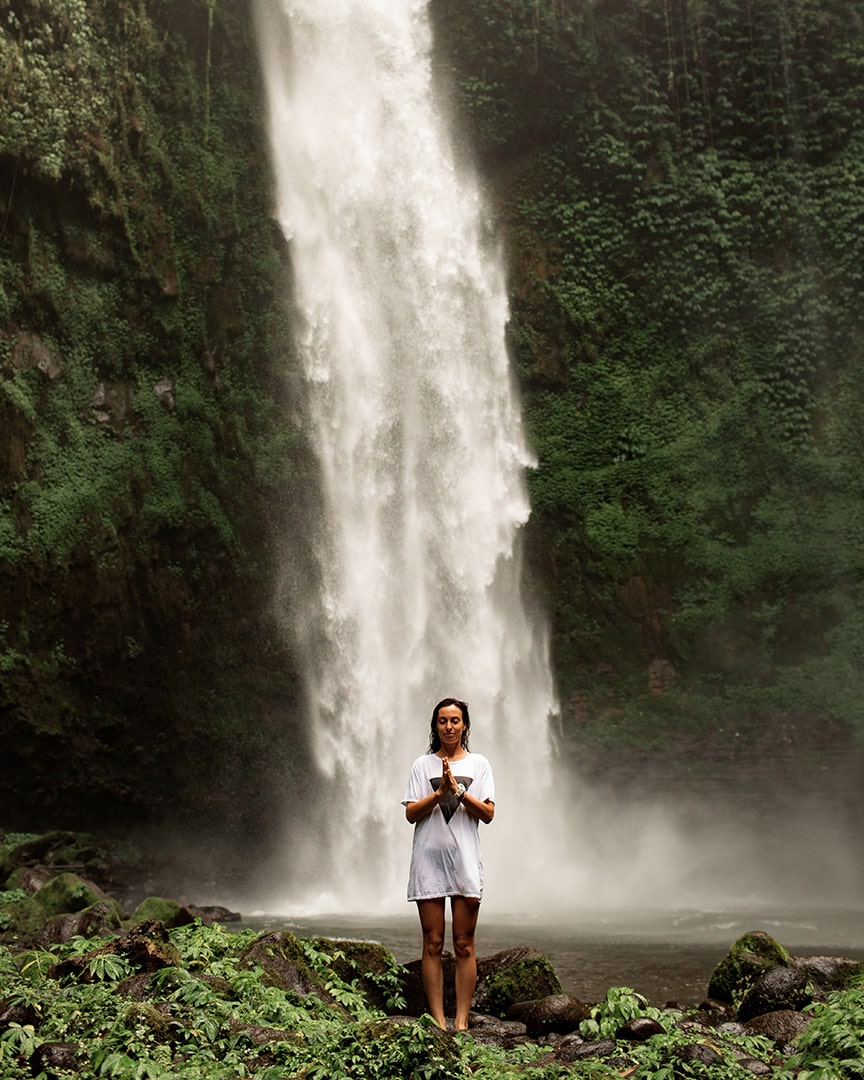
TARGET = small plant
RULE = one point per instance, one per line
(620, 1006)
(391, 983)
(108, 967)
(18, 1041)
(832, 1046)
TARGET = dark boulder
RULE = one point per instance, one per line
(717, 1010)
(213, 913)
(697, 1053)
(782, 1026)
(730, 1027)
(639, 1029)
(18, 1013)
(99, 920)
(560, 1013)
(492, 1031)
(55, 1059)
(568, 1045)
(572, 1051)
(803, 981)
(415, 995)
(827, 973)
(779, 988)
(755, 1066)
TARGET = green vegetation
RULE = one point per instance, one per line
(88, 990)
(832, 1047)
(144, 451)
(682, 191)
(619, 1007)
(203, 1003)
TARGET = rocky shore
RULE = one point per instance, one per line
(63, 911)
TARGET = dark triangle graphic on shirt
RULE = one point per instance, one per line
(449, 803)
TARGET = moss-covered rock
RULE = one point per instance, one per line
(402, 1047)
(57, 848)
(511, 976)
(65, 894)
(29, 879)
(156, 1023)
(160, 909)
(748, 958)
(147, 948)
(98, 920)
(19, 914)
(370, 965)
(280, 956)
(518, 974)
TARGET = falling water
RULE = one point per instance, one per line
(410, 408)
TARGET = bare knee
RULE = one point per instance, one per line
(463, 946)
(433, 942)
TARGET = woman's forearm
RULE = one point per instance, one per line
(484, 811)
(416, 811)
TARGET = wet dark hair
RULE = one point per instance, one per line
(434, 738)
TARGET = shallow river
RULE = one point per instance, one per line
(666, 956)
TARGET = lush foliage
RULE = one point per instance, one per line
(682, 189)
(213, 1015)
(832, 1047)
(143, 446)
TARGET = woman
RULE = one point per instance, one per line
(449, 792)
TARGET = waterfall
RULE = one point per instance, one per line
(409, 405)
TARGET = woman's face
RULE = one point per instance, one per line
(451, 728)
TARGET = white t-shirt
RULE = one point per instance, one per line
(445, 858)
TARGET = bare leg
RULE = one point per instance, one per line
(432, 923)
(465, 912)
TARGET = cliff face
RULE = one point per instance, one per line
(143, 447)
